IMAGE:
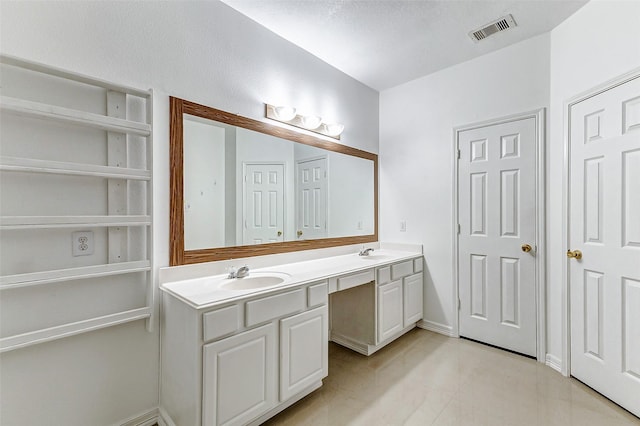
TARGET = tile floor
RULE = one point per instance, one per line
(425, 378)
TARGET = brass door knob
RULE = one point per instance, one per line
(279, 233)
(526, 248)
(576, 254)
(299, 233)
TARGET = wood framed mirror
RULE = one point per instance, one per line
(242, 187)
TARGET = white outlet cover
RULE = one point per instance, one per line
(403, 226)
(82, 243)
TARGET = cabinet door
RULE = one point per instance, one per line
(412, 290)
(240, 374)
(389, 310)
(304, 351)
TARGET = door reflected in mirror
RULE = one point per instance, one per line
(242, 187)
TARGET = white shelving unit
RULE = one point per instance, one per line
(127, 251)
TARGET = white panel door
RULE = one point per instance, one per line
(263, 203)
(240, 377)
(389, 310)
(497, 217)
(311, 199)
(304, 351)
(604, 224)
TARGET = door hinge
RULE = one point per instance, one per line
(458, 304)
(458, 154)
(458, 229)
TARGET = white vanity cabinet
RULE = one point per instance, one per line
(412, 290)
(386, 303)
(243, 362)
(239, 377)
(389, 310)
(399, 305)
(304, 346)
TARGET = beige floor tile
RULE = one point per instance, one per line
(425, 379)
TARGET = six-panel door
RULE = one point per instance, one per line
(604, 224)
(263, 204)
(311, 199)
(497, 195)
(239, 377)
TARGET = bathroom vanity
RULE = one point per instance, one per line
(238, 351)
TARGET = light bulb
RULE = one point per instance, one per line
(311, 121)
(334, 129)
(284, 113)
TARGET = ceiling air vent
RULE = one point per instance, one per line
(498, 25)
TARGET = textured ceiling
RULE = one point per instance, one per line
(384, 43)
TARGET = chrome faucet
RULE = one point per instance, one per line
(239, 273)
(365, 252)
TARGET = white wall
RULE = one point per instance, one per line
(350, 196)
(201, 51)
(204, 185)
(598, 43)
(416, 156)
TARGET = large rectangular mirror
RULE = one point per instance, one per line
(242, 187)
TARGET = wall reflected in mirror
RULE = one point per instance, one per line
(242, 187)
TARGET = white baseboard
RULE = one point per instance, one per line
(554, 362)
(436, 327)
(164, 419)
(147, 418)
(363, 348)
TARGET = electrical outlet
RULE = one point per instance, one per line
(403, 226)
(82, 243)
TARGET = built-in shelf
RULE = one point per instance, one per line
(120, 151)
(70, 274)
(52, 333)
(68, 75)
(81, 118)
(34, 222)
(28, 165)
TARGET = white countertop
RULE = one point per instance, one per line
(205, 292)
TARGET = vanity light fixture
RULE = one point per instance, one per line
(314, 123)
(333, 129)
(284, 113)
(310, 122)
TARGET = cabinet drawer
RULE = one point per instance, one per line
(220, 322)
(384, 275)
(268, 308)
(402, 269)
(417, 265)
(355, 280)
(317, 294)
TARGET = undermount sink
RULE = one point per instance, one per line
(255, 281)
